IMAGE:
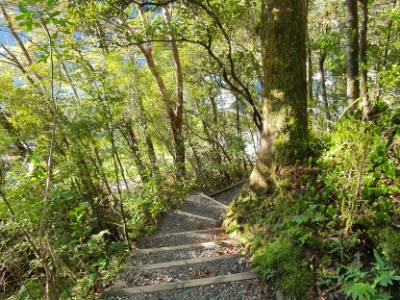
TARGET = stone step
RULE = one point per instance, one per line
(240, 286)
(182, 238)
(183, 270)
(203, 205)
(180, 221)
(183, 252)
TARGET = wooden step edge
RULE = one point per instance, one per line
(228, 187)
(181, 284)
(187, 246)
(210, 230)
(186, 262)
(214, 201)
(188, 214)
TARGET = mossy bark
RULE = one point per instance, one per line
(284, 138)
(352, 61)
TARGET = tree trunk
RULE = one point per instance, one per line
(215, 109)
(174, 119)
(18, 40)
(364, 59)
(151, 153)
(177, 128)
(323, 85)
(309, 63)
(240, 141)
(120, 201)
(382, 62)
(14, 33)
(130, 138)
(309, 77)
(352, 62)
(284, 138)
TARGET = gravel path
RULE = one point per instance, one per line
(227, 197)
(204, 207)
(180, 221)
(182, 239)
(196, 251)
(140, 277)
(172, 264)
(238, 290)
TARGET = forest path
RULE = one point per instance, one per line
(190, 257)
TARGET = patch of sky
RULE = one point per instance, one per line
(78, 36)
(225, 99)
(6, 37)
(132, 12)
(259, 87)
(18, 81)
(140, 60)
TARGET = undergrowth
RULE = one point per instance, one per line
(330, 229)
(88, 256)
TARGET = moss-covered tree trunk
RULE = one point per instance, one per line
(352, 61)
(284, 137)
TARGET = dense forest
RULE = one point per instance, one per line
(113, 111)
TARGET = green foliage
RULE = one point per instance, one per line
(361, 285)
(335, 224)
(389, 241)
(281, 260)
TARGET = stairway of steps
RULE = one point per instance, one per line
(190, 257)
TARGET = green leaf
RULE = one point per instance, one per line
(359, 291)
(386, 278)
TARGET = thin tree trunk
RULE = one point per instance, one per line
(215, 109)
(364, 60)
(323, 86)
(198, 167)
(382, 62)
(178, 120)
(122, 170)
(100, 170)
(239, 135)
(20, 43)
(69, 79)
(13, 32)
(309, 77)
(50, 289)
(130, 137)
(120, 202)
(85, 177)
(175, 120)
(352, 61)
(151, 153)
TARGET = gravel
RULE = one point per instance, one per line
(227, 197)
(177, 221)
(238, 290)
(184, 227)
(196, 251)
(199, 205)
(140, 277)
